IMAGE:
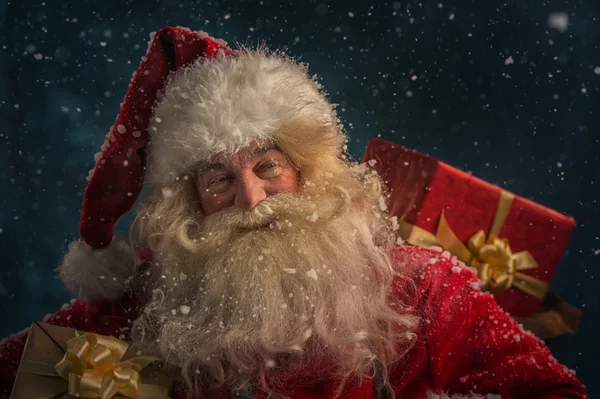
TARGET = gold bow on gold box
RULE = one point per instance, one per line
(60, 363)
(497, 266)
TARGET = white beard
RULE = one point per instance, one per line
(313, 284)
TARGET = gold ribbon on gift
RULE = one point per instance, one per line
(93, 368)
(497, 266)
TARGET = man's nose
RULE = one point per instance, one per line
(249, 192)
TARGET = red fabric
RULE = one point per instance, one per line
(468, 344)
(465, 343)
(469, 205)
(118, 176)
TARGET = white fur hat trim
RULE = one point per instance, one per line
(222, 104)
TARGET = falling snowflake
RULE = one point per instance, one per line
(558, 21)
(312, 273)
(382, 204)
(395, 224)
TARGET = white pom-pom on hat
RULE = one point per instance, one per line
(95, 275)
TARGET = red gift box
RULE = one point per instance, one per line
(421, 188)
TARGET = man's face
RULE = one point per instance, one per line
(245, 178)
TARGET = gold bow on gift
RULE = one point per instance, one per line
(93, 368)
(493, 258)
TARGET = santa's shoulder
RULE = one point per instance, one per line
(423, 269)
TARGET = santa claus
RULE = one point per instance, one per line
(261, 262)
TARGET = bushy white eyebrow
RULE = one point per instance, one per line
(259, 151)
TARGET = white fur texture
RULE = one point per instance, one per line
(472, 396)
(222, 104)
(98, 274)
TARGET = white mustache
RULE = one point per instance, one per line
(264, 213)
(279, 208)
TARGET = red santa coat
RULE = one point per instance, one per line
(466, 346)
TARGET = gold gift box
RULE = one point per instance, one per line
(46, 345)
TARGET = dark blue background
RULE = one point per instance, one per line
(531, 126)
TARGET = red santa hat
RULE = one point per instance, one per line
(191, 97)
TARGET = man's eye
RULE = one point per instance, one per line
(216, 181)
(270, 165)
(269, 170)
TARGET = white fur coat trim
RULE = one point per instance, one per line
(98, 274)
(222, 104)
(472, 396)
